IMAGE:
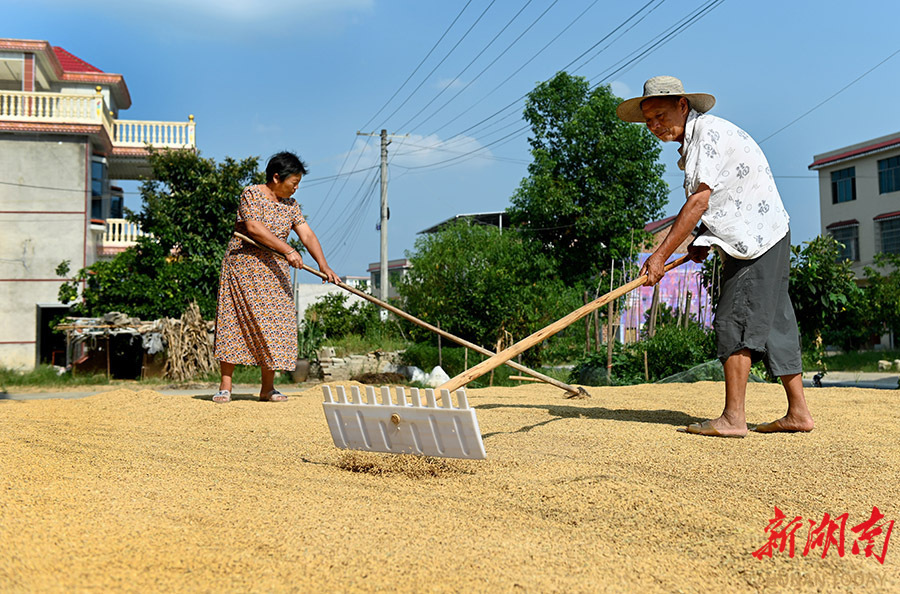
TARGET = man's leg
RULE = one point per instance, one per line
(733, 422)
(798, 417)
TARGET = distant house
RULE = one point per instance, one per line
(859, 198)
(397, 270)
(659, 230)
(62, 144)
(495, 219)
(681, 289)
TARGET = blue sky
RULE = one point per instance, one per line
(306, 75)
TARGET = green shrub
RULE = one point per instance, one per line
(671, 350)
(339, 319)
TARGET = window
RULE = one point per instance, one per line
(98, 186)
(116, 207)
(849, 237)
(889, 175)
(889, 230)
(843, 185)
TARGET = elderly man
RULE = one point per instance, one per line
(731, 192)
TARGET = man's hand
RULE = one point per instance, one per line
(698, 253)
(654, 268)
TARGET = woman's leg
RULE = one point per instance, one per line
(268, 382)
(267, 390)
(226, 370)
(224, 394)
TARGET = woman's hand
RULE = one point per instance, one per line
(331, 274)
(294, 259)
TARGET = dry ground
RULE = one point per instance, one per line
(137, 491)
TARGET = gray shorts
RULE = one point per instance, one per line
(755, 312)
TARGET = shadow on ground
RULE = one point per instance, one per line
(660, 417)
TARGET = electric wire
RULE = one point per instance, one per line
(452, 49)
(823, 102)
(520, 68)
(416, 69)
(471, 62)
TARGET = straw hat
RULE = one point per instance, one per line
(662, 86)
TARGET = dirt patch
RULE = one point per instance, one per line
(407, 465)
(135, 490)
(382, 379)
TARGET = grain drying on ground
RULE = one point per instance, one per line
(138, 491)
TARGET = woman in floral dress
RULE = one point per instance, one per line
(256, 321)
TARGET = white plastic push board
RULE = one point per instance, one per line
(398, 425)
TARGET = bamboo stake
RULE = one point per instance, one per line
(571, 390)
(526, 343)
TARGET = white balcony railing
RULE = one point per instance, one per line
(58, 108)
(50, 107)
(136, 133)
(121, 233)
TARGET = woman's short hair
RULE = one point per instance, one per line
(285, 164)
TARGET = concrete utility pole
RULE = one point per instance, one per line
(384, 278)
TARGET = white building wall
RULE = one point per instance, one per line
(41, 228)
(868, 204)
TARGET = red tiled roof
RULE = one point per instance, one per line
(887, 215)
(654, 226)
(848, 223)
(854, 153)
(71, 63)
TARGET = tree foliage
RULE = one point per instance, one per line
(188, 211)
(883, 293)
(482, 285)
(594, 181)
(827, 301)
(338, 319)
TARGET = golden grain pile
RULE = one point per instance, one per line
(137, 491)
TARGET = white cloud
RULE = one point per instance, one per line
(276, 17)
(620, 89)
(449, 83)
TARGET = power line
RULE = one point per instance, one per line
(424, 80)
(519, 69)
(416, 69)
(516, 101)
(630, 60)
(820, 104)
(484, 49)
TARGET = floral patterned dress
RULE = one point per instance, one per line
(256, 319)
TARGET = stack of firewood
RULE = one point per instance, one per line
(189, 345)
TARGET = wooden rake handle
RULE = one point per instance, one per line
(544, 333)
(422, 323)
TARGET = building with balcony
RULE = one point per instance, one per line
(62, 144)
(859, 198)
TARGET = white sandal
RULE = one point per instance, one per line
(222, 396)
(274, 396)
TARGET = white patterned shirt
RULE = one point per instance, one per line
(745, 216)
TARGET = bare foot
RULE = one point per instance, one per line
(716, 428)
(786, 424)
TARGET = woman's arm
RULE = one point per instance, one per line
(309, 239)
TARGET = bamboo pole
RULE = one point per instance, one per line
(526, 343)
(571, 390)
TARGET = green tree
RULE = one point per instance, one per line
(883, 293)
(827, 301)
(188, 210)
(594, 181)
(481, 284)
